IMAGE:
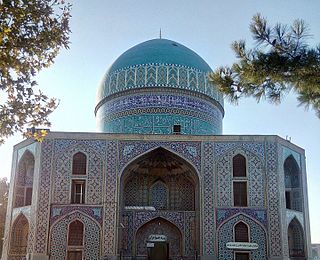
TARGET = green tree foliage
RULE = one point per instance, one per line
(4, 190)
(280, 61)
(31, 34)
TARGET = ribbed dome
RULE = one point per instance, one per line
(156, 85)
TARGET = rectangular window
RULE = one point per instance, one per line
(28, 199)
(78, 192)
(176, 129)
(288, 200)
(240, 193)
(242, 256)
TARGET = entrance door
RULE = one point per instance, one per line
(74, 255)
(160, 251)
(242, 256)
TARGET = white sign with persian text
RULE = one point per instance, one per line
(242, 245)
(150, 244)
(157, 238)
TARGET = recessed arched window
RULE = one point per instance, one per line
(239, 166)
(79, 164)
(24, 180)
(159, 195)
(293, 192)
(19, 236)
(75, 234)
(296, 240)
(291, 172)
(241, 232)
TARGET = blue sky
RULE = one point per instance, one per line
(102, 30)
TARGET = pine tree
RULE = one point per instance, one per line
(281, 61)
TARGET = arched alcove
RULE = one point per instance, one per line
(75, 236)
(293, 187)
(159, 184)
(19, 236)
(159, 226)
(160, 175)
(79, 164)
(241, 232)
(296, 239)
(24, 180)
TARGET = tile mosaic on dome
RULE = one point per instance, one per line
(159, 122)
(164, 75)
(159, 100)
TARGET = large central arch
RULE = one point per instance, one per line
(159, 187)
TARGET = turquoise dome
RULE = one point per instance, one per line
(160, 51)
(159, 87)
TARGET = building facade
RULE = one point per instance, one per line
(315, 251)
(159, 167)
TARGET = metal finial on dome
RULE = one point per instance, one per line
(160, 36)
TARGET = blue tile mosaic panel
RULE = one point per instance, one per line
(226, 234)
(156, 113)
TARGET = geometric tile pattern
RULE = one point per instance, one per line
(172, 192)
(57, 212)
(190, 236)
(110, 199)
(95, 151)
(256, 148)
(257, 235)
(42, 227)
(259, 215)
(59, 233)
(255, 176)
(273, 200)
(176, 217)
(208, 200)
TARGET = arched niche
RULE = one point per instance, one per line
(159, 226)
(296, 239)
(24, 180)
(78, 225)
(162, 184)
(241, 232)
(19, 237)
(293, 186)
(163, 172)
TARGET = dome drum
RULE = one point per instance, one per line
(158, 113)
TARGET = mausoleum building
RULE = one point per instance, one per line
(158, 170)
